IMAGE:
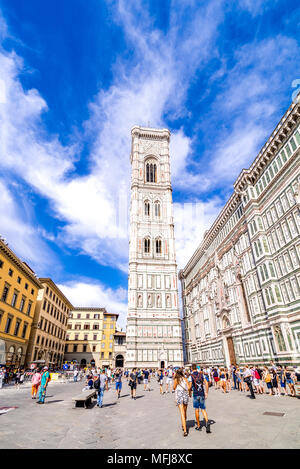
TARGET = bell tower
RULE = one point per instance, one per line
(153, 324)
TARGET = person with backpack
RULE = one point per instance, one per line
(257, 381)
(45, 380)
(282, 380)
(268, 380)
(36, 381)
(133, 383)
(100, 384)
(200, 393)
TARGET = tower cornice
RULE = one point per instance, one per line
(150, 133)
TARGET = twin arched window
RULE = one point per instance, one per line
(147, 246)
(157, 210)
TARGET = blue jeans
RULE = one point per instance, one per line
(234, 380)
(199, 402)
(100, 396)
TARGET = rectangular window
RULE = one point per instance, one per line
(293, 144)
(14, 300)
(5, 293)
(283, 156)
(288, 150)
(297, 135)
(22, 304)
(8, 324)
(17, 327)
(24, 331)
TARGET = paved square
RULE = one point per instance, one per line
(152, 421)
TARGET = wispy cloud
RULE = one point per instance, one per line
(150, 85)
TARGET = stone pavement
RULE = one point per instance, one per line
(152, 421)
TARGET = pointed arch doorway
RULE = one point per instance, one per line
(119, 361)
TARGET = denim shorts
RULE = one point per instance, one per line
(199, 402)
(118, 386)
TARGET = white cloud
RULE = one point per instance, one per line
(21, 233)
(250, 102)
(149, 86)
(191, 220)
(90, 294)
(154, 81)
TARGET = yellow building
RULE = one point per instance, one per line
(18, 294)
(49, 329)
(90, 337)
(107, 341)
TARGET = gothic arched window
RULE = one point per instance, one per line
(147, 208)
(151, 172)
(157, 209)
(147, 245)
(158, 246)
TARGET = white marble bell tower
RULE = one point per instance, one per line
(153, 333)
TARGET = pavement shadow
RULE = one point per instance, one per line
(125, 395)
(139, 397)
(202, 422)
(190, 424)
(109, 405)
(52, 402)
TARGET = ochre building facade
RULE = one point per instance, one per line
(49, 328)
(19, 288)
(90, 337)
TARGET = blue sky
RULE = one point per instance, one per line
(76, 75)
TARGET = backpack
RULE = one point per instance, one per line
(268, 378)
(97, 383)
(198, 383)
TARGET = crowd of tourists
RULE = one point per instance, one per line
(190, 382)
(194, 382)
(14, 376)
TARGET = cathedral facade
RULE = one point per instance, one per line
(241, 287)
(153, 335)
